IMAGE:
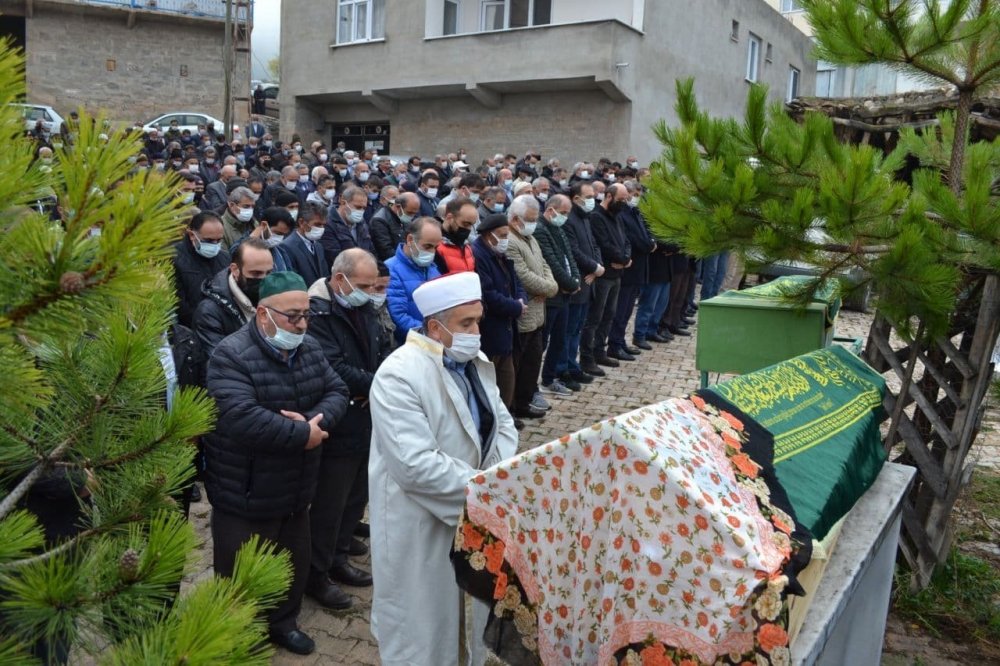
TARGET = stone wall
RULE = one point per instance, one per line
(92, 57)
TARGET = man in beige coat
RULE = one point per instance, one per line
(536, 278)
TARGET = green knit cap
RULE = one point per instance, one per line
(280, 282)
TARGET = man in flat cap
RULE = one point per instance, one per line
(437, 417)
(278, 399)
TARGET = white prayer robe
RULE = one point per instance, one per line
(425, 448)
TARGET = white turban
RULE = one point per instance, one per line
(447, 292)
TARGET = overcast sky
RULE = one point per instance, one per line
(266, 35)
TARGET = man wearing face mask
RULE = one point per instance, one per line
(216, 193)
(428, 193)
(231, 297)
(238, 216)
(455, 254)
(437, 417)
(504, 300)
(587, 254)
(288, 182)
(412, 266)
(539, 284)
(634, 278)
(303, 250)
(388, 227)
(346, 325)
(345, 224)
(278, 400)
(199, 256)
(494, 200)
(558, 254)
(326, 190)
(470, 186)
(609, 232)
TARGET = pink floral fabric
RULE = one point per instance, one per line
(649, 538)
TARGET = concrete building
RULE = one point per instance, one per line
(132, 59)
(573, 78)
(840, 81)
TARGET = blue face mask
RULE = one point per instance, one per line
(423, 259)
(283, 339)
(207, 250)
(498, 208)
(356, 298)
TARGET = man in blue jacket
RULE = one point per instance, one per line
(411, 267)
(278, 399)
(504, 300)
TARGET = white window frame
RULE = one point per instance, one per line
(790, 7)
(369, 17)
(794, 83)
(458, 16)
(754, 44)
(506, 15)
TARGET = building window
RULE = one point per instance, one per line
(734, 33)
(360, 20)
(793, 84)
(753, 58)
(507, 14)
(450, 17)
(788, 6)
(768, 53)
(826, 75)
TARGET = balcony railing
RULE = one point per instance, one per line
(198, 8)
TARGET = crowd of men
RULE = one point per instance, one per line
(379, 331)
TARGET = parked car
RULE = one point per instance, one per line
(186, 120)
(271, 107)
(32, 113)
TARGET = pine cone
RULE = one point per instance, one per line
(128, 565)
(72, 282)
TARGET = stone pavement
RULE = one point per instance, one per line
(343, 637)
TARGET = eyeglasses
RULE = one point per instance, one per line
(292, 317)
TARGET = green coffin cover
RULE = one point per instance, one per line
(788, 286)
(824, 410)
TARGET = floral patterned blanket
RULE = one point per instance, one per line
(657, 537)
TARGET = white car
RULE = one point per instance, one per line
(32, 113)
(186, 120)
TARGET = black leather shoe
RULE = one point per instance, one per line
(591, 369)
(688, 321)
(634, 351)
(363, 530)
(577, 376)
(641, 344)
(571, 384)
(358, 548)
(657, 337)
(348, 574)
(195, 493)
(294, 641)
(683, 332)
(529, 412)
(605, 360)
(619, 354)
(518, 424)
(327, 593)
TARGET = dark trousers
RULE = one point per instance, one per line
(627, 295)
(505, 378)
(603, 302)
(337, 508)
(693, 284)
(678, 298)
(575, 320)
(290, 533)
(556, 318)
(527, 363)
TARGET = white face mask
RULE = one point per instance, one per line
(188, 198)
(245, 214)
(290, 186)
(274, 240)
(328, 194)
(558, 220)
(294, 213)
(502, 244)
(529, 228)
(585, 174)
(588, 204)
(634, 164)
(432, 192)
(474, 197)
(543, 196)
(363, 177)
(356, 216)
(283, 339)
(464, 346)
(322, 157)
(304, 178)
(634, 202)
(315, 233)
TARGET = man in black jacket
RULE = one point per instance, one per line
(346, 325)
(388, 226)
(634, 277)
(589, 262)
(345, 224)
(231, 296)
(617, 251)
(278, 399)
(199, 256)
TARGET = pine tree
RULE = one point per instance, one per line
(82, 317)
(776, 190)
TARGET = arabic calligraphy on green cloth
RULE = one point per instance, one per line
(786, 288)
